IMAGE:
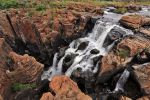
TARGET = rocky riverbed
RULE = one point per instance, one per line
(82, 52)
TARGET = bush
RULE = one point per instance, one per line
(19, 86)
(40, 7)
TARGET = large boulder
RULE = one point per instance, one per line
(24, 69)
(134, 44)
(64, 88)
(134, 21)
(142, 74)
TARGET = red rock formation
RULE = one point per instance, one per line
(4, 80)
(64, 88)
(134, 21)
(142, 73)
(134, 44)
(25, 69)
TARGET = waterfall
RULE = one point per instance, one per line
(87, 49)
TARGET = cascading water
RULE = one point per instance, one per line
(95, 44)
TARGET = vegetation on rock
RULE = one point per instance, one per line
(19, 86)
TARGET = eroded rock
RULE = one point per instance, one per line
(134, 44)
(4, 79)
(25, 69)
(134, 21)
(64, 88)
(142, 73)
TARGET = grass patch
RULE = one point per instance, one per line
(121, 10)
(40, 7)
(19, 86)
(123, 53)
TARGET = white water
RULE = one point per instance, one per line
(122, 80)
(84, 58)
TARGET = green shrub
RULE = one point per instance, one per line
(5, 4)
(123, 53)
(40, 7)
(19, 86)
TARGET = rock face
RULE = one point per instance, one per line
(24, 69)
(142, 75)
(16, 68)
(134, 44)
(134, 21)
(64, 88)
(110, 64)
(4, 79)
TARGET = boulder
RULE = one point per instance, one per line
(134, 21)
(134, 44)
(64, 88)
(145, 31)
(47, 96)
(24, 69)
(142, 74)
(111, 64)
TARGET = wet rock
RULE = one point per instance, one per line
(67, 62)
(142, 76)
(134, 21)
(114, 34)
(25, 69)
(94, 51)
(109, 65)
(83, 45)
(64, 88)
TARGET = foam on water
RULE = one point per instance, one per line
(84, 58)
